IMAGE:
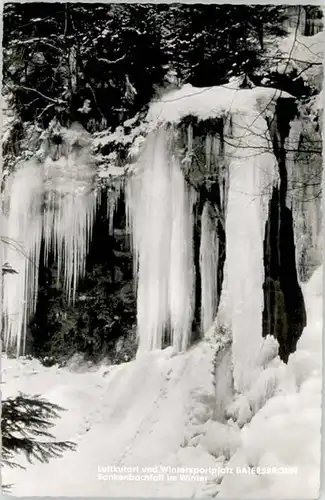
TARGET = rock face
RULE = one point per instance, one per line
(284, 314)
(102, 322)
(202, 147)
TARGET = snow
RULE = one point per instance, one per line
(122, 135)
(286, 431)
(211, 102)
(185, 409)
(302, 53)
(159, 410)
(7, 118)
(120, 416)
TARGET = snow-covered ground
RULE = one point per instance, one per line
(137, 414)
(158, 411)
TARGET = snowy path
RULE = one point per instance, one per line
(139, 414)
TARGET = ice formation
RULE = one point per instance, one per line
(163, 255)
(209, 254)
(304, 195)
(114, 191)
(54, 202)
(252, 173)
(24, 235)
(160, 215)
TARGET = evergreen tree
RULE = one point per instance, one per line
(99, 64)
(62, 56)
(208, 44)
(25, 424)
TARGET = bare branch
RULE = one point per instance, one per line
(44, 41)
(55, 101)
(102, 59)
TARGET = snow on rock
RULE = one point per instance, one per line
(305, 54)
(211, 102)
(7, 119)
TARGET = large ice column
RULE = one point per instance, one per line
(152, 232)
(114, 192)
(252, 173)
(52, 201)
(304, 195)
(209, 258)
(181, 273)
(160, 215)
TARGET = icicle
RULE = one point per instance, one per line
(69, 217)
(54, 201)
(132, 202)
(23, 250)
(159, 211)
(208, 153)
(209, 253)
(181, 274)
(153, 233)
(190, 139)
(251, 178)
(216, 149)
(113, 196)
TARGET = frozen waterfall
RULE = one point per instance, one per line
(252, 174)
(160, 214)
(54, 202)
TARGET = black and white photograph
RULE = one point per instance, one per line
(161, 284)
